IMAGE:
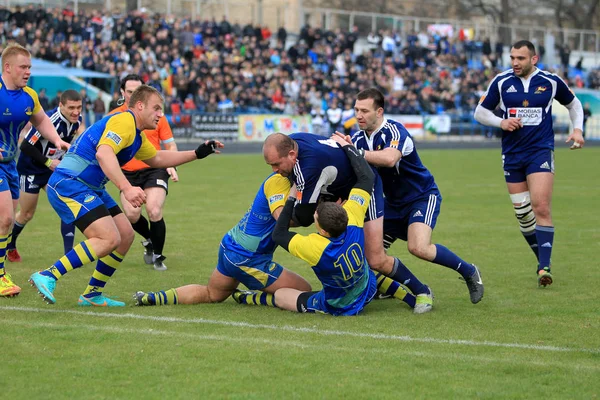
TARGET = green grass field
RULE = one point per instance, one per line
(519, 342)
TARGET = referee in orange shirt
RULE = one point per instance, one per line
(154, 181)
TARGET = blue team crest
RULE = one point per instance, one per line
(114, 137)
(89, 198)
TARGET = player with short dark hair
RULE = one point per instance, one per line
(20, 105)
(39, 157)
(77, 192)
(335, 253)
(412, 198)
(525, 95)
(245, 256)
(154, 181)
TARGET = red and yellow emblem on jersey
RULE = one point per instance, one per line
(540, 89)
(525, 103)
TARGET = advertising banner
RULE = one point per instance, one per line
(255, 128)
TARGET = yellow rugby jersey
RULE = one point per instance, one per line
(117, 131)
(339, 263)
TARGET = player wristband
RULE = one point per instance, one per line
(48, 162)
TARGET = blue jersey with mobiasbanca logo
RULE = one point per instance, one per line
(16, 109)
(409, 179)
(530, 100)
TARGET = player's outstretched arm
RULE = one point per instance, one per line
(281, 234)
(42, 123)
(167, 158)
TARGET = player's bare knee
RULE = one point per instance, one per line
(418, 250)
(132, 214)
(378, 263)
(6, 222)
(216, 297)
(26, 216)
(154, 212)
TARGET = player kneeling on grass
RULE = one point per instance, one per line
(77, 192)
(245, 256)
(336, 253)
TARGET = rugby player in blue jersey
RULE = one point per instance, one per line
(245, 256)
(335, 253)
(76, 190)
(19, 105)
(412, 198)
(321, 171)
(39, 157)
(525, 95)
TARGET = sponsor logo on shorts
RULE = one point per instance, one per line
(162, 183)
(506, 173)
(545, 165)
(272, 266)
(275, 198)
(417, 214)
(359, 199)
(89, 198)
(114, 137)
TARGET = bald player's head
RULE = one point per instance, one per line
(280, 152)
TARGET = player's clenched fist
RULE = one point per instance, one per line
(511, 124)
(208, 147)
(135, 196)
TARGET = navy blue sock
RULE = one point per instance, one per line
(450, 260)
(545, 239)
(531, 238)
(16, 231)
(400, 273)
(68, 234)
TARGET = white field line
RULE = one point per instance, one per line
(322, 332)
(271, 343)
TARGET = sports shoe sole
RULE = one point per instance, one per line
(545, 280)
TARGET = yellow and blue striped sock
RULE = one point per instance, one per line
(105, 268)
(161, 298)
(392, 288)
(254, 297)
(4, 239)
(79, 256)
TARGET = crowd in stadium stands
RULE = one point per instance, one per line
(214, 66)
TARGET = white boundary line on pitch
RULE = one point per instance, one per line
(324, 332)
(300, 345)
